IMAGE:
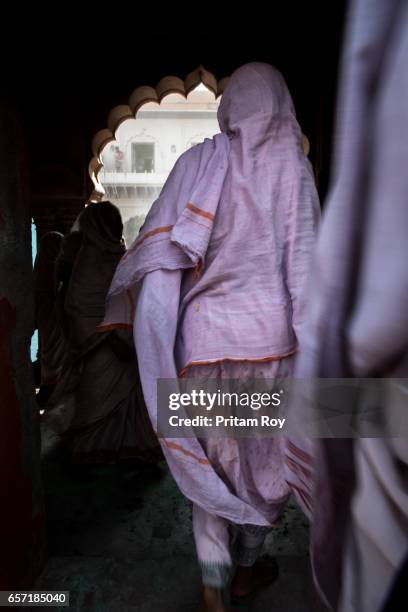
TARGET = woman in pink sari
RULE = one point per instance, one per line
(217, 274)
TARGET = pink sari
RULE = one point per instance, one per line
(217, 276)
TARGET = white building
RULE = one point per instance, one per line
(137, 165)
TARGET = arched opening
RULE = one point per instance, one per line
(136, 166)
(135, 154)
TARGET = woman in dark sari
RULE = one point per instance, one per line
(105, 417)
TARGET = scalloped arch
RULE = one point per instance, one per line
(142, 95)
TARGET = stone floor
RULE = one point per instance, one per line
(120, 540)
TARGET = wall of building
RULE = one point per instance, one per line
(170, 129)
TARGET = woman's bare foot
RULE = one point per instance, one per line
(248, 580)
(213, 600)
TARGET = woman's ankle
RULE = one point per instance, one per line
(213, 600)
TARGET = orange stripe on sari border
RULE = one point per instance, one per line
(305, 497)
(178, 447)
(200, 211)
(297, 468)
(234, 360)
(299, 453)
(158, 230)
(104, 328)
(139, 241)
(200, 224)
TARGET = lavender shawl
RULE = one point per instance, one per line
(231, 234)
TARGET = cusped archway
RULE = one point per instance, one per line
(135, 152)
(140, 97)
